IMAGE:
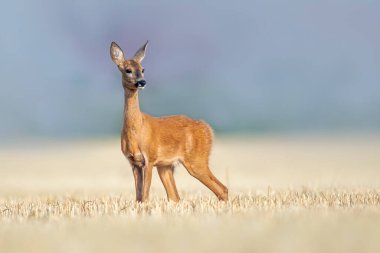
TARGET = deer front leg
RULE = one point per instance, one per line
(138, 175)
(147, 171)
(137, 162)
(143, 179)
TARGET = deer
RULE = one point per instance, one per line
(161, 142)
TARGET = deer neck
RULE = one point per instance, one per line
(133, 119)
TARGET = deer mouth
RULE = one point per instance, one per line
(140, 84)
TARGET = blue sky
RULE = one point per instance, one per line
(246, 65)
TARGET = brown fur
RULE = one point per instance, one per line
(149, 142)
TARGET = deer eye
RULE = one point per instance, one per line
(128, 71)
(142, 71)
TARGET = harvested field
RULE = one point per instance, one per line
(287, 194)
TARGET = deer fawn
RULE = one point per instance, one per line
(162, 142)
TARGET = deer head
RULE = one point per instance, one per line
(131, 70)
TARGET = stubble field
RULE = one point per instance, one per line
(287, 194)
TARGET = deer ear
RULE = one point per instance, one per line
(140, 54)
(116, 54)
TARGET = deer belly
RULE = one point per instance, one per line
(167, 162)
(168, 155)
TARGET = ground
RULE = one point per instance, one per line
(287, 194)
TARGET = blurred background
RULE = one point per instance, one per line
(244, 66)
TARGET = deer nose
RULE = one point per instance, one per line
(141, 83)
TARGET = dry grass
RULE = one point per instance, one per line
(57, 207)
(287, 195)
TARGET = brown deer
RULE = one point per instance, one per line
(161, 142)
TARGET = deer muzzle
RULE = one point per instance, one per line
(140, 84)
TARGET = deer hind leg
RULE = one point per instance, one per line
(202, 172)
(167, 179)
